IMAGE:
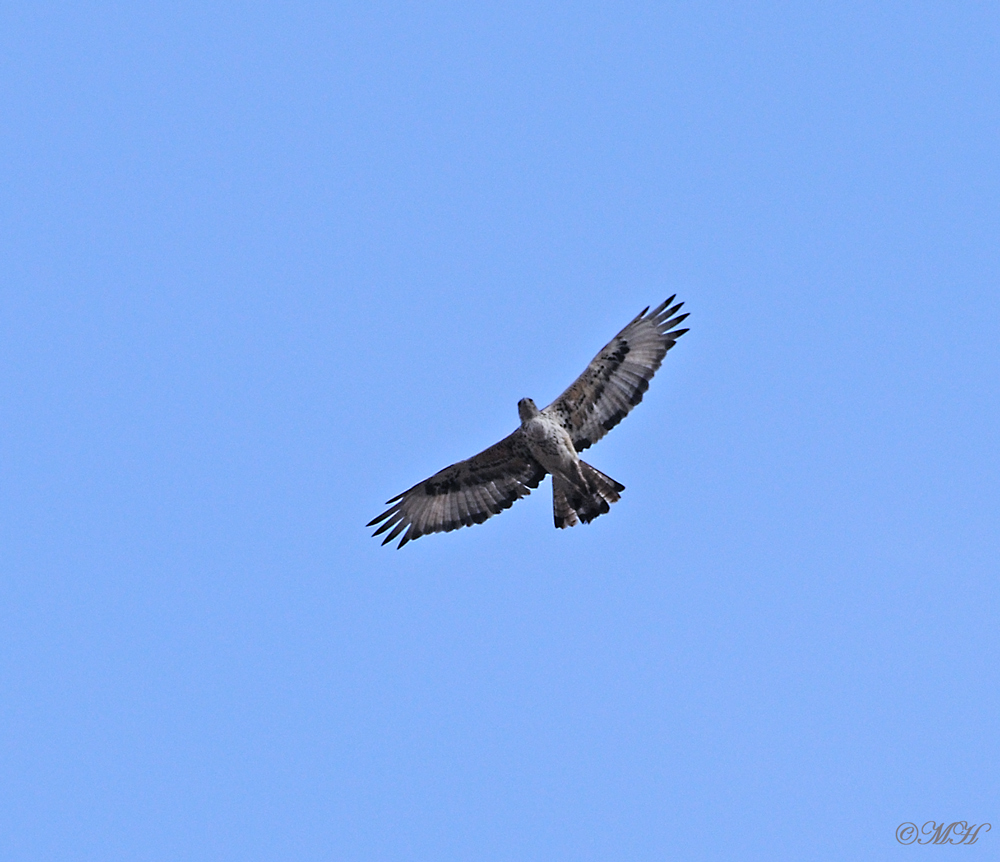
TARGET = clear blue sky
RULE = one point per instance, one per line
(266, 265)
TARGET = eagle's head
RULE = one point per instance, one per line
(526, 409)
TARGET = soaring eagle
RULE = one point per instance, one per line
(547, 441)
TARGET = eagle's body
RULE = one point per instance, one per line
(547, 441)
(579, 492)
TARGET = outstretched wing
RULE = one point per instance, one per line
(616, 379)
(465, 493)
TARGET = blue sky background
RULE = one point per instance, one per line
(266, 265)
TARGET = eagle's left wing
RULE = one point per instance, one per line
(616, 379)
(465, 493)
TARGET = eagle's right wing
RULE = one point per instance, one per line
(465, 493)
(617, 377)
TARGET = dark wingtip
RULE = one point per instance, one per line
(658, 311)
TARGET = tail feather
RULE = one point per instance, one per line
(572, 504)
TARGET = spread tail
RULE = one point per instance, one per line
(572, 504)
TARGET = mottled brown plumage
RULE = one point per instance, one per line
(618, 376)
(465, 493)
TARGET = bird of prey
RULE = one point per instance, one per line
(547, 441)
